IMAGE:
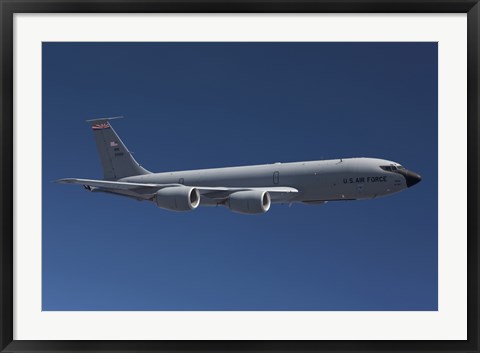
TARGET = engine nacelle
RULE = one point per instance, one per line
(177, 198)
(249, 201)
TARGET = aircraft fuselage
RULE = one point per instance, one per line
(316, 181)
(245, 189)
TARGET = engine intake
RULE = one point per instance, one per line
(249, 201)
(177, 198)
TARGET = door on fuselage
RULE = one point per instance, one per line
(360, 190)
(276, 178)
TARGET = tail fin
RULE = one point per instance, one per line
(116, 159)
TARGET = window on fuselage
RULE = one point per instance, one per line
(391, 168)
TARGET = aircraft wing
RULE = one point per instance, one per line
(208, 191)
(219, 193)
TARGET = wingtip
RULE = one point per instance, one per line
(63, 181)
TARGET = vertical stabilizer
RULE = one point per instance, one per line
(117, 161)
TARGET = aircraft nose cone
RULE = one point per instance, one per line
(412, 178)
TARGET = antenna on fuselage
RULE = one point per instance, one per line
(111, 118)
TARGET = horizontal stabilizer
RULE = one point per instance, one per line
(110, 184)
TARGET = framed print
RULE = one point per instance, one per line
(239, 176)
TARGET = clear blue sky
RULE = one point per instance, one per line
(201, 105)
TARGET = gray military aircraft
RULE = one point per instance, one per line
(246, 189)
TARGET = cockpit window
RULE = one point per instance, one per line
(391, 168)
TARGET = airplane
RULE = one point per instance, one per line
(245, 189)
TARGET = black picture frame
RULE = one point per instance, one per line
(7, 10)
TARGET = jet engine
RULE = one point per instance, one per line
(177, 198)
(249, 201)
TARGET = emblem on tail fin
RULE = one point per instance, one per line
(100, 126)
